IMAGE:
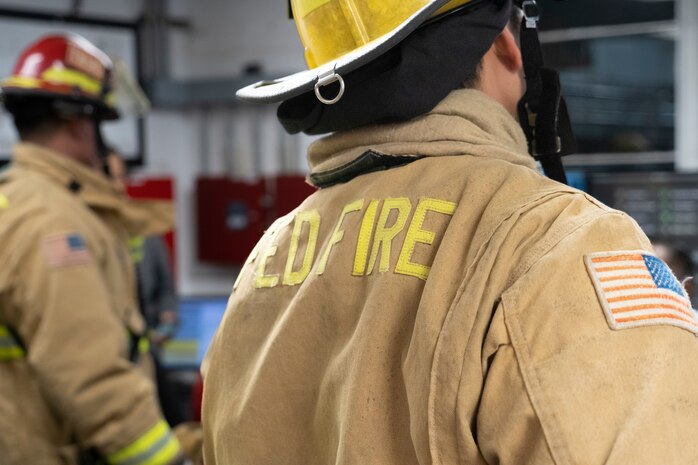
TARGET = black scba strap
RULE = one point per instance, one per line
(542, 110)
(102, 149)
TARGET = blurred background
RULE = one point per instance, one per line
(629, 71)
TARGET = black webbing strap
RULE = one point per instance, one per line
(532, 54)
(135, 349)
(542, 110)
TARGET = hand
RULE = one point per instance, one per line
(166, 328)
(191, 437)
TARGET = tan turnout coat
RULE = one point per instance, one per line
(67, 309)
(441, 302)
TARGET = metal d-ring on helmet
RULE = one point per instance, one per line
(66, 74)
(342, 37)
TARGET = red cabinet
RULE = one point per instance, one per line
(159, 188)
(232, 215)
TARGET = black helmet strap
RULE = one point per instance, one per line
(542, 110)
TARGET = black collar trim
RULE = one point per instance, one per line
(369, 162)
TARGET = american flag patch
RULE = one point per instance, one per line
(638, 289)
(63, 250)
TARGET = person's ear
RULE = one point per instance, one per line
(508, 52)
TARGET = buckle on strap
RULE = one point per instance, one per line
(531, 13)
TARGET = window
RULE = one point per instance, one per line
(617, 62)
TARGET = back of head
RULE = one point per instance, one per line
(387, 61)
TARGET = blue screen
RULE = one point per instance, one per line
(199, 318)
(577, 179)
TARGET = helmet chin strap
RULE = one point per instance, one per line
(542, 110)
(102, 149)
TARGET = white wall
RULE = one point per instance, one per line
(227, 35)
(175, 146)
(172, 147)
(124, 10)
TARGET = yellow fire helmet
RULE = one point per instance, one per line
(340, 36)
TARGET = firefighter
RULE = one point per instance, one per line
(439, 300)
(72, 385)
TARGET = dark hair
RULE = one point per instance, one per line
(32, 129)
(679, 254)
(515, 27)
(34, 117)
(684, 260)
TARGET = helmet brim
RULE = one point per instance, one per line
(296, 84)
(101, 111)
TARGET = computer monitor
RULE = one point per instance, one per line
(199, 319)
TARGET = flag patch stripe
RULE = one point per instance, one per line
(653, 311)
(638, 289)
(656, 316)
(621, 268)
(656, 298)
(615, 258)
(624, 277)
(633, 284)
(662, 308)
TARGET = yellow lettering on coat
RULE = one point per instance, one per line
(312, 218)
(364, 241)
(338, 233)
(262, 280)
(415, 234)
(384, 235)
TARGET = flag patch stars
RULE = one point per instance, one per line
(63, 250)
(638, 289)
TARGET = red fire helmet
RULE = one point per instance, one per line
(68, 68)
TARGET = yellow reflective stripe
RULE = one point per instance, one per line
(4, 202)
(11, 353)
(110, 99)
(136, 246)
(143, 342)
(156, 447)
(9, 348)
(22, 81)
(69, 77)
(143, 345)
(165, 455)
(304, 7)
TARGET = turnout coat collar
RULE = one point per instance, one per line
(93, 189)
(466, 122)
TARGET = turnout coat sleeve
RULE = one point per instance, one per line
(563, 387)
(77, 348)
